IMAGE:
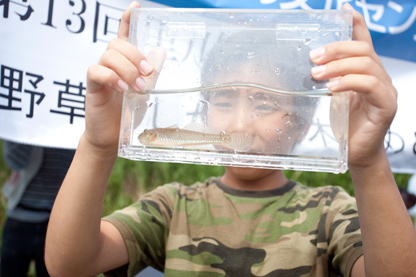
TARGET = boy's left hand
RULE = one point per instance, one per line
(354, 66)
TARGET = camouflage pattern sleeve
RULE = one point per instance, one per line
(144, 227)
(345, 228)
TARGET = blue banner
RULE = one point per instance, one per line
(392, 23)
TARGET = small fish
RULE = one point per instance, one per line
(189, 136)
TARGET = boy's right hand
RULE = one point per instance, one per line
(121, 66)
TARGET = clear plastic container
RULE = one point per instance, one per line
(233, 88)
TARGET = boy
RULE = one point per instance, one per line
(168, 229)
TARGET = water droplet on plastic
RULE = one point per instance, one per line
(307, 41)
(222, 133)
(250, 98)
(250, 55)
(299, 47)
(277, 71)
(278, 130)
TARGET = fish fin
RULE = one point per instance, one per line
(198, 127)
(240, 141)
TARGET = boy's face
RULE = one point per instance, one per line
(266, 116)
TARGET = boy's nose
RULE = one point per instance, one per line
(241, 122)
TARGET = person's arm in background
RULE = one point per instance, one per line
(389, 237)
(78, 243)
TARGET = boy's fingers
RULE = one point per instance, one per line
(378, 94)
(341, 50)
(120, 64)
(354, 65)
(133, 55)
(359, 28)
(100, 76)
(128, 62)
(123, 31)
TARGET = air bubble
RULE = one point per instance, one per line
(277, 71)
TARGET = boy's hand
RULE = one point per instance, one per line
(117, 69)
(354, 66)
(121, 66)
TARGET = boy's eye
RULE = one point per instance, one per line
(222, 104)
(267, 108)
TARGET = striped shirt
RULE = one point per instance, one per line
(37, 201)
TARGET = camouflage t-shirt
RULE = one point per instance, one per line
(209, 229)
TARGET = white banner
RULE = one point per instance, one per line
(47, 46)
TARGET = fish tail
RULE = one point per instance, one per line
(239, 141)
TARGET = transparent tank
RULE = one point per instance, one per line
(233, 88)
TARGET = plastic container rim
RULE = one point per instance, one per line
(228, 10)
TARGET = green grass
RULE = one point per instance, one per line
(130, 179)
